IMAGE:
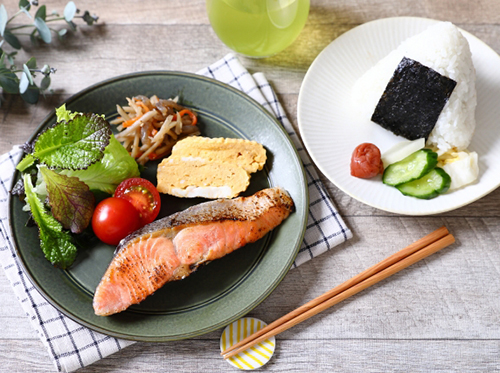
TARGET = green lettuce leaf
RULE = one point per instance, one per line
(116, 166)
(71, 201)
(55, 243)
(26, 162)
(75, 144)
(64, 114)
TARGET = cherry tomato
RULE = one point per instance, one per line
(143, 195)
(366, 161)
(114, 219)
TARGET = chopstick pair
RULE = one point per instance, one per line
(418, 250)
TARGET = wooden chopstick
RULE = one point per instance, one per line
(418, 250)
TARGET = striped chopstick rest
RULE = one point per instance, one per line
(254, 357)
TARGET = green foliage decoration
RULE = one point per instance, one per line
(21, 80)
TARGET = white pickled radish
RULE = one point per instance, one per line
(401, 150)
(463, 169)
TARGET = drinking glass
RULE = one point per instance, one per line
(257, 28)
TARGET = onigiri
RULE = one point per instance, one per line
(444, 49)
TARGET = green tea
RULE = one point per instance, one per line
(257, 28)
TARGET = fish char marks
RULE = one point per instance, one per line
(243, 208)
(173, 247)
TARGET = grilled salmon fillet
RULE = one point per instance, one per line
(171, 248)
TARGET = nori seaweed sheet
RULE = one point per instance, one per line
(413, 99)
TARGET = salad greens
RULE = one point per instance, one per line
(55, 243)
(105, 175)
(71, 201)
(75, 144)
(76, 141)
(76, 156)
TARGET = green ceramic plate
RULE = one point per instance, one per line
(216, 294)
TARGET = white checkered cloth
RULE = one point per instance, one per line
(73, 346)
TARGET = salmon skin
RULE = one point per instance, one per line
(173, 247)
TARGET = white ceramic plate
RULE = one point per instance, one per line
(331, 130)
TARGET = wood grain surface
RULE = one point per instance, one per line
(440, 315)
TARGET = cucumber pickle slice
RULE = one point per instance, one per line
(411, 168)
(429, 186)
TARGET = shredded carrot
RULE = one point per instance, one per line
(193, 117)
(129, 122)
(143, 105)
(154, 131)
(153, 156)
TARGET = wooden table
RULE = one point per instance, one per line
(442, 314)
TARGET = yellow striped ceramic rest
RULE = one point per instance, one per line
(255, 356)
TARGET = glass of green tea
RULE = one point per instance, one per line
(257, 28)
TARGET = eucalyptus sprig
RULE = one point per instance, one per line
(22, 80)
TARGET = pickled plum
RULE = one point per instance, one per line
(366, 161)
